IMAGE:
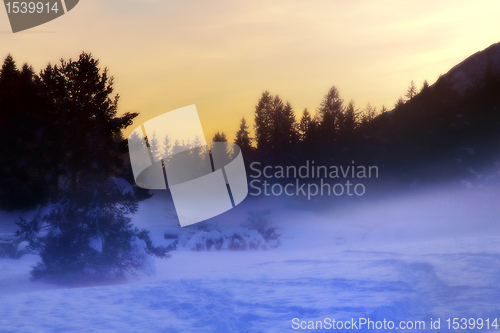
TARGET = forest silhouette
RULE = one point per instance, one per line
(53, 132)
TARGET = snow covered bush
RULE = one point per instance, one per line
(259, 221)
(237, 239)
(256, 234)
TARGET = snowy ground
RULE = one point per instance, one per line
(414, 258)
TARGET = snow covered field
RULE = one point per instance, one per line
(409, 258)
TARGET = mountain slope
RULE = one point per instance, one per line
(473, 71)
(446, 130)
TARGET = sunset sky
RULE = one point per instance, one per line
(221, 55)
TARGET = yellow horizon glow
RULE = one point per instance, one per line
(221, 55)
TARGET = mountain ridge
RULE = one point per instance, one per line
(472, 71)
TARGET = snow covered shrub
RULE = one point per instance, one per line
(237, 239)
(256, 234)
(87, 233)
(260, 222)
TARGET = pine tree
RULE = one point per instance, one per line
(399, 103)
(331, 107)
(329, 116)
(86, 230)
(368, 114)
(243, 139)
(154, 147)
(304, 125)
(176, 148)
(275, 127)
(425, 87)
(219, 137)
(85, 110)
(349, 119)
(167, 146)
(9, 71)
(412, 90)
(284, 130)
(263, 122)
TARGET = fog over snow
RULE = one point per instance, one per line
(417, 256)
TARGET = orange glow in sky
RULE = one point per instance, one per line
(221, 55)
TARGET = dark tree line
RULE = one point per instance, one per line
(328, 135)
(435, 133)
